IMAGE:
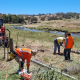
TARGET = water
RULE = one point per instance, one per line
(23, 28)
(55, 32)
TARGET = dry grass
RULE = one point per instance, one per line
(45, 54)
(57, 23)
(70, 25)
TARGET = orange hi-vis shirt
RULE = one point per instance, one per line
(25, 54)
(70, 42)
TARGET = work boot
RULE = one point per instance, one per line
(58, 52)
(9, 59)
(66, 59)
(54, 53)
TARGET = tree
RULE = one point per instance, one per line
(77, 16)
(14, 18)
(21, 19)
(43, 18)
(28, 18)
(9, 18)
(34, 19)
(4, 17)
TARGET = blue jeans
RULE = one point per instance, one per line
(56, 45)
(67, 54)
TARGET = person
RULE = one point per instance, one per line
(22, 54)
(68, 44)
(57, 43)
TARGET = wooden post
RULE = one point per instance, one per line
(11, 44)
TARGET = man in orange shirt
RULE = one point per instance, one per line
(22, 54)
(68, 44)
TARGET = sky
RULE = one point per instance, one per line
(35, 7)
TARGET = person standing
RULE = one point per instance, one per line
(68, 45)
(57, 43)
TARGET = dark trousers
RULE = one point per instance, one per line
(56, 45)
(21, 62)
(67, 54)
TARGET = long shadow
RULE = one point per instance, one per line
(13, 73)
(16, 73)
(61, 54)
(2, 58)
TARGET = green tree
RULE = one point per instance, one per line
(4, 17)
(21, 19)
(9, 18)
(77, 16)
(14, 18)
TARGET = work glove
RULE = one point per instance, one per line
(60, 44)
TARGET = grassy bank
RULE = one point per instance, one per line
(40, 36)
(12, 24)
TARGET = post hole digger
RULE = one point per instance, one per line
(5, 40)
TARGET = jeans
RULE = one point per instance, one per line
(56, 45)
(67, 54)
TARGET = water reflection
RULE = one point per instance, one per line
(55, 32)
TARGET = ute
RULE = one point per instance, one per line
(5, 40)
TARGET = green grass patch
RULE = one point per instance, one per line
(15, 24)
